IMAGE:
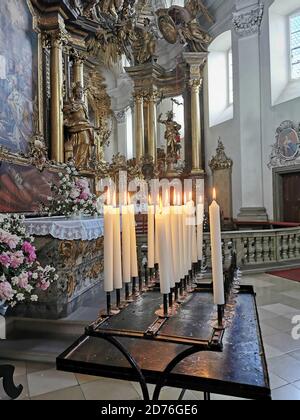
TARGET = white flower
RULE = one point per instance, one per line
(29, 288)
(20, 297)
(34, 298)
(35, 276)
(2, 278)
(15, 281)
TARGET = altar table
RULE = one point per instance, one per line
(240, 370)
(75, 249)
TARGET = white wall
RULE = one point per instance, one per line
(271, 116)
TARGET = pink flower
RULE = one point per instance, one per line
(5, 260)
(84, 195)
(83, 184)
(9, 239)
(17, 259)
(44, 285)
(74, 194)
(6, 291)
(30, 251)
(23, 280)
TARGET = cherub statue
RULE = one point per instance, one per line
(80, 131)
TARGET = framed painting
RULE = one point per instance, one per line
(23, 188)
(288, 141)
(19, 75)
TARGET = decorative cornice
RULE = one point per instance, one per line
(248, 22)
(221, 160)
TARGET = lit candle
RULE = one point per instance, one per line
(163, 256)
(200, 216)
(175, 212)
(216, 252)
(126, 244)
(118, 284)
(181, 272)
(133, 250)
(151, 235)
(169, 250)
(108, 250)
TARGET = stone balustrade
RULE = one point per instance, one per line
(258, 247)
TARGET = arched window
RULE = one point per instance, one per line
(294, 28)
(284, 26)
(220, 79)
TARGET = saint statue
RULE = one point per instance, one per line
(172, 136)
(80, 131)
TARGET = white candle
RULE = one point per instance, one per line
(133, 249)
(151, 236)
(200, 217)
(108, 249)
(163, 256)
(180, 242)
(169, 249)
(175, 242)
(185, 241)
(216, 252)
(118, 283)
(126, 245)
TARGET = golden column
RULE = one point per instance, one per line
(57, 39)
(194, 78)
(139, 125)
(152, 125)
(196, 126)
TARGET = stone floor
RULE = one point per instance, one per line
(278, 301)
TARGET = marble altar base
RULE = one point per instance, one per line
(79, 265)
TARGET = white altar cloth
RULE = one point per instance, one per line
(62, 228)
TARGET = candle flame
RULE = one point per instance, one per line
(214, 194)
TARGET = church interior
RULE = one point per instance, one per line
(149, 200)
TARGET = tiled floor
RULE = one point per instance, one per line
(278, 301)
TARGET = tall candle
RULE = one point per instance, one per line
(108, 249)
(216, 252)
(175, 214)
(185, 241)
(126, 245)
(118, 283)
(151, 236)
(181, 245)
(133, 249)
(169, 249)
(200, 215)
(163, 256)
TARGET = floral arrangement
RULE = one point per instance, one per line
(72, 195)
(21, 275)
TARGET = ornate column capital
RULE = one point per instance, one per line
(151, 96)
(120, 116)
(78, 57)
(248, 21)
(196, 84)
(56, 38)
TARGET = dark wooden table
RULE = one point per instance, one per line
(239, 369)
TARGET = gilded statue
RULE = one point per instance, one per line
(196, 38)
(145, 43)
(181, 24)
(80, 131)
(172, 135)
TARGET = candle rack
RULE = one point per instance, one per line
(107, 327)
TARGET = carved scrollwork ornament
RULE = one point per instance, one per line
(220, 160)
(286, 150)
(195, 83)
(248, 22)
(38, 154)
